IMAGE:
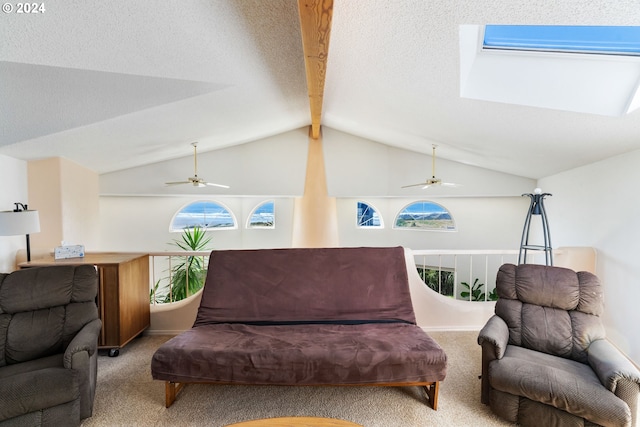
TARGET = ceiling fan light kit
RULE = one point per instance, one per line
(195, 180)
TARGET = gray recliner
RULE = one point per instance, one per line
(49, 329)
(545, 359)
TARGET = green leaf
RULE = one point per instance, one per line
(475, 292)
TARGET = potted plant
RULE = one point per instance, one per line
(188, 275)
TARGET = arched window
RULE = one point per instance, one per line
(205, 214)
(263, 216)
(425, 215)
(368, 216)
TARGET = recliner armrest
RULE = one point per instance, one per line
(616, 373)
(85, 340)
(496, 333)
(611, 365)
(493, 338)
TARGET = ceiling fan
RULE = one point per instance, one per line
(195, 180)
(433, 180)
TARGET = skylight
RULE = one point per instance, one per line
(564, 38)
(524, 65)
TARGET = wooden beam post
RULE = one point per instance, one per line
(315, 26)
(315, 219)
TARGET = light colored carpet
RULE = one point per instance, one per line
(127, 396)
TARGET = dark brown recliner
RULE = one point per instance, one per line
(545, 359)
(49, 329)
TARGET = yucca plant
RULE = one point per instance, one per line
(188, 275)
(156, 297)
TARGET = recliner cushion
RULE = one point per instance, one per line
(41, 319)
(550, 309)
(562, 383)
(54, 361)
(36, 390)
(25, 337)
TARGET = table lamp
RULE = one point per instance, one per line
(20, 221)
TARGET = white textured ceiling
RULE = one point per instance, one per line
(112, 85)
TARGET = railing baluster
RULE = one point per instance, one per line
(470, 278)
(170, 279)
(153, 280)
(486, 277)
(455, 276)
(187, 265)
(440, 274)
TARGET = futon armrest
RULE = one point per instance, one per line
(85, 340)
(611, 366)
(495, 333)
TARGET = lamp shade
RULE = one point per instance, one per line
(22, 222)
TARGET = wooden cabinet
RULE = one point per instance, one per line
(123, 294)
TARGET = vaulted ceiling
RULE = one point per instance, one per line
(113, 85)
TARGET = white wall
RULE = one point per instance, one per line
(13, 188)
(488, 208)
(273, 166)
(142, 224)
(481, 222)
(598, 206)
(133, 224)
(66, 194)
(358, 167)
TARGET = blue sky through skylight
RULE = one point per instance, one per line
(564, 38)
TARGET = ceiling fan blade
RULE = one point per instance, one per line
(415, 185)
(216, 185)
(450, 184)
(177, 182)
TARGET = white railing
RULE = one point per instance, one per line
(468, 266)
(465, 265)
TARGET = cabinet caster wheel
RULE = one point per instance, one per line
(114, 352)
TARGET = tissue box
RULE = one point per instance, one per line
(71, 251)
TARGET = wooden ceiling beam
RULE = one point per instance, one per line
(315, 25)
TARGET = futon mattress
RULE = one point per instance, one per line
(294, 354)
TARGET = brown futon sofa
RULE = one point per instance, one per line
(323, 316)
